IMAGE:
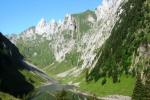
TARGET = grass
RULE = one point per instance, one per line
(124, 87)
(5, 96)
(57, 68)
(83, 23)
(36, 51)
(33, 78)
(71, 60)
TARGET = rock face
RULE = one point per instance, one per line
(109, 7)
(29, 32)
(44, 27)
(69, 23)
(106, 18)
(85, 32)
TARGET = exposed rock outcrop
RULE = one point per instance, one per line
(85, 32)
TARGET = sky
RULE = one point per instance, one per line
(18, 15)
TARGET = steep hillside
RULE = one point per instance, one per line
(15, 78)
(130, 33)
(127, 50)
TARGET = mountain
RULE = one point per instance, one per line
(105, 51)
(78, 35)
(16, 78)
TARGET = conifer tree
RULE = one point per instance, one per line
(138, 91)
(147, 88)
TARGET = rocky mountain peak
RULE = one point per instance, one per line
(69, 22)
(81, 32)
(41, 27)
(42, 22)
(107, 7)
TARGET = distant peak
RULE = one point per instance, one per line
(67, 15)
(42, 21)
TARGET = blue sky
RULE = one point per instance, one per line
(17, 15)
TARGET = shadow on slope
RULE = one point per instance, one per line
(11, 80)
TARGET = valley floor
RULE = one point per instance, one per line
(124, 87)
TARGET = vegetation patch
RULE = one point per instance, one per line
(37, 51)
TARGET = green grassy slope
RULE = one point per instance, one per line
(33, 78)
(71, 61)
(124, 87)
(5, 96)
(37, 51)
(103, 88)
(57, 68)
